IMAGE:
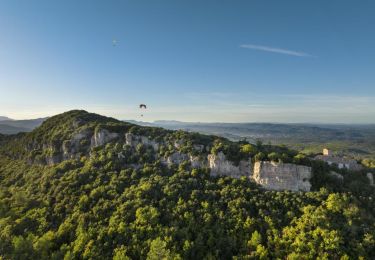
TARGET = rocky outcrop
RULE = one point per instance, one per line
(102, 137)
(134, 140)
(196, 162)
(74, 145)
(282, 176)
(370, 178)
(270, 175)
(68, 149)
(131, 140)
(176, 158)
(337, 175)
(220, 166)
(80, 143)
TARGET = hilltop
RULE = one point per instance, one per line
(85, 186)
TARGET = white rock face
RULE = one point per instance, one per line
(220, 166)
(196, 162)
(270, 175)
(102, 137)
(70, 147)
(131, 140)
(149, 142)
(176, 158)
(282, 176)
(370, 178)
(134, 140)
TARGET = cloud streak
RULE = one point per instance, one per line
(275, 50)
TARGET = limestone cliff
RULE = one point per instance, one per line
(176, 158)
(69, 149)
(220, 166)
(280, 176)
(134, 140)
(270, 175)
(196, 162)
(102, 137)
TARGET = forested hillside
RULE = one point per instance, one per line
(73, 189)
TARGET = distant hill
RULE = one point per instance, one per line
(8, 129)
(347, 139)
(16, 126)
(3, 118)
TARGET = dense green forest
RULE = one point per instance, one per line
(98, 205)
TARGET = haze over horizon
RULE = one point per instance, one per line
(258, 61)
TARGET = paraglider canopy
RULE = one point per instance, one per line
(142, 106)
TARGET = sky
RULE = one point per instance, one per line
(207, 61)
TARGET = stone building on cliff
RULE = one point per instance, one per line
(341, 162)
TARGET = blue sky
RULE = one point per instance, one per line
(230, 61)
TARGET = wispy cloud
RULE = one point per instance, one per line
(275, 50)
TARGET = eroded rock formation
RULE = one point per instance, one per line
(270, 175)
(134, 140)
(282, 176)
(176, 158)
(102, 137)
(220, 166)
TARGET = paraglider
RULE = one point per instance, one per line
(142, 106)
